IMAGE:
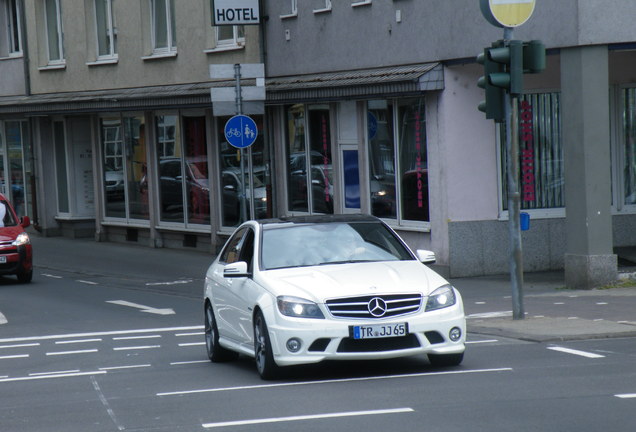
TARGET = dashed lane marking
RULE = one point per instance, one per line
(575, 352)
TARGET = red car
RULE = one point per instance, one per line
(16, 253)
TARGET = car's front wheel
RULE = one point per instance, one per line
(25, 277)
(441, 360)
(216, 352)
(265, 364)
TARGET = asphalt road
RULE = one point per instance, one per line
(83, 352)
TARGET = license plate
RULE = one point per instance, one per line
(379, 330)
(3, 259)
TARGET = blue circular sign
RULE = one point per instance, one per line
(241, 131)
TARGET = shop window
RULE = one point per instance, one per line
(106, 32)
(184, 192)
(164, 37)
(246, 191)
(398, 164)
(61, 167)
(541, 175)
(309, 167)
(54, 39)
(14, 137)
(124, 159)
(628, 153)
(11, 39)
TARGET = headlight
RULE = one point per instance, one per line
(298, 307)
(22, 239)
(442, 297)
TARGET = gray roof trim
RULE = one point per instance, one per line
(364, 83)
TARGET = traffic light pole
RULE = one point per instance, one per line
(511, 114)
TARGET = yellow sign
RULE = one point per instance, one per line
(507, 13)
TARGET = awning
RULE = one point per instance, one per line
(364, 83)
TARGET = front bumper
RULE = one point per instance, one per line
(329, 339)
(17, 259)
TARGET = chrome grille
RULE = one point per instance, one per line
(375, 306)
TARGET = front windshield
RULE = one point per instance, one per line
(302, 245)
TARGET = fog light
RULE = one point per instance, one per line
(293, 345)
(455, 334)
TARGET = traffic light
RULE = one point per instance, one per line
(493, 106)
(510, 57)
(533, 56)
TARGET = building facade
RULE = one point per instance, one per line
(108, 129)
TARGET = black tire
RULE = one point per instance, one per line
(216, 353)
(442, 360)
(25, 277)
(265, 364)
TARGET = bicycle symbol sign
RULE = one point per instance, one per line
(241, 131)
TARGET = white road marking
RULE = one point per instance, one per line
(626, 396)
(499, 314)
(136, 348)
(14, 356)
(20, 345)
(107, 368)
(335, 381)
(54, 373)
(482, 341)
(189, 362)
(51, 276)
(30, 378)
(56, 353)
(137, 337)
(575, 352)
(190, 334)
(142, 308)
(104, 401)
(306, 417)
(191, 344)
(169, 283)
(86, 282)
(105, 333)
(77, 341)
(3, 319)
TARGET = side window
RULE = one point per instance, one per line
(232, 251)
(247, 249)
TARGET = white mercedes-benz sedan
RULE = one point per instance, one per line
(300, 290)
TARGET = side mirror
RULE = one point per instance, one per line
(236, 270)
(426, 256)
(25, 221)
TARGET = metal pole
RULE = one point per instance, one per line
(514, 197)
(239, 111)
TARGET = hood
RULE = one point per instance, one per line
(8, 234)
(344, 280)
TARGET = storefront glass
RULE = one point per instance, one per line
(255, 175)
(398, 164)
(541, 174)
(169, 166)
(629, 146)
(136, 167)
(309, 153)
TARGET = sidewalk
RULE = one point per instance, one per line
(552, 312)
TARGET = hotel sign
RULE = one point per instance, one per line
(235, 12)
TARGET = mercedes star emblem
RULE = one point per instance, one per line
(377, 307)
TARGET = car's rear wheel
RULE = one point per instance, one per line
(440, 360)
(265, 364)
(25, 277)
(216, 352)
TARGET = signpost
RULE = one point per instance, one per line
(504, 66)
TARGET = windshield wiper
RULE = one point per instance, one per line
(346, 261)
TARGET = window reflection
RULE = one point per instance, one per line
(169, 164)
(137, 166)
(112, 145)
(312, 157)
(255, 188)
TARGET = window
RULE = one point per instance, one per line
(230, 35)
(256, 178)
(293, 11)
(323, 8)
(105, 29)
(14, 167)
(398, 167)
(54, 33)
(309, 167)
(628, 153)
(164, 38)
(184, 191)
(10, 19)
(541, 175)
